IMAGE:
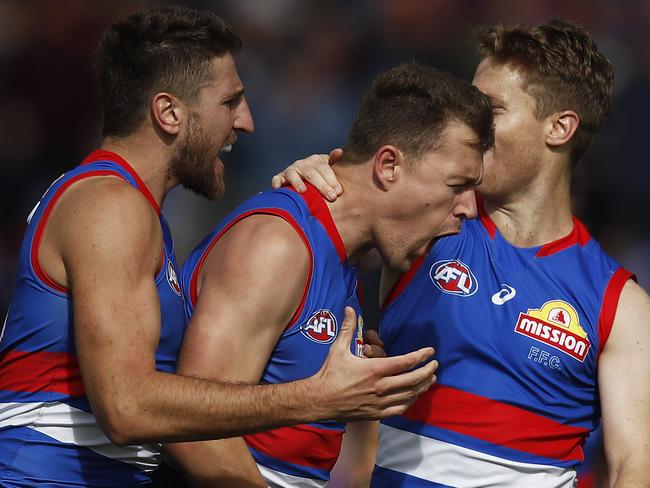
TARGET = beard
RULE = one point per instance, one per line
(194, 163)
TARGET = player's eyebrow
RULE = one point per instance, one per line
(496, 100)
(234, 95)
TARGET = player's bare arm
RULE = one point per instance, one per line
(358, 452)
(110, 254)
(624, 382)
(250, 286)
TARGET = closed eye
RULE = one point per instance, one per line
(460, 187)
(235, 99)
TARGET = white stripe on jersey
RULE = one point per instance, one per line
(452, 465)
(276, 479)
(73, 426)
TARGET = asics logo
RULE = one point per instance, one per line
(506, 293)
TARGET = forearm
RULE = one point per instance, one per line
(172, 408)
(225, 462)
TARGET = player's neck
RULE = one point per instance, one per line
(350, 213)
(150, 163)
(534, 217)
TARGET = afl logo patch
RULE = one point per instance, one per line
(172, 279)
(453, 277)
(321, 327)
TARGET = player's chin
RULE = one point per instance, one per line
(403, 264)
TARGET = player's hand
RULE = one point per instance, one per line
(374, 346)
(352, 388)
(316, 170)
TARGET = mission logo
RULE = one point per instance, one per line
(555, 324)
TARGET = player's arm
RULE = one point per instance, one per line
(110, 243)
(251, 284)
(316, 170)
(624, 383)
(358, 452)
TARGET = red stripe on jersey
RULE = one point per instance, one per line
(303, 445)
(402, 282)
(498, 423)
(610, 304)
(40, 228)
(41, 371)
(579, 235)
(283, 214)
(588, 479)
(321, 211)
(485, 219)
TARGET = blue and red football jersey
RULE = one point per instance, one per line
(48, 433)
(517, 332)
(301, 455)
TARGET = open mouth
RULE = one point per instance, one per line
(229, 143)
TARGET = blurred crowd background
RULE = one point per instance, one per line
(306, 65)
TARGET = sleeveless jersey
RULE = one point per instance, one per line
(302, 455)
(48, 433)
(517, 333)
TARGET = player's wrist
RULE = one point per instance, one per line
(313, 400)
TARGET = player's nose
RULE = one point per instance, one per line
(244, 118)
(465, 207)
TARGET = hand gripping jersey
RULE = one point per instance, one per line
(517, 333)
(302, 455)
(48, 433)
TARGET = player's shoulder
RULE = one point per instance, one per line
(284, 200)
(271, 235)
(587, 249)
(109, 196)
(107, 207)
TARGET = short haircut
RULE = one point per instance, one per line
(410, 107)
(167, 49)
(562, 69)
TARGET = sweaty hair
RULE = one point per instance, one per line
(410, 106)
(562, 69)
(167, 49)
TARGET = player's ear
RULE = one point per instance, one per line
(563, 126)
(387, 166)
(167, 112)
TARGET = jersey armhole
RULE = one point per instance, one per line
(402, 282)
(286, 216)
(610, 304)
(42, 222)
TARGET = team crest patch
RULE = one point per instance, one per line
(172, 278)
(454, 277)
(557, 325)
(321, 327)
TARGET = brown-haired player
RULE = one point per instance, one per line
(97, 318)
(268, 285)
(538, 332)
